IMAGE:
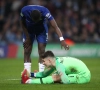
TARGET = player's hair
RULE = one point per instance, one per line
(35, 15)
(48, 54)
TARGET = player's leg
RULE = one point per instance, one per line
(41, 50)
(46, 80)
(27, 53)
(79, 78)
(26, 79)
(42, 39)
(73, 78)
(84, 78)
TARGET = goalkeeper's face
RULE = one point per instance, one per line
(47, 62)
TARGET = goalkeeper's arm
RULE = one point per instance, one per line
(63, 76)
(45, 73)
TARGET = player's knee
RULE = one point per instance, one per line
(41, 51)
(56, 78)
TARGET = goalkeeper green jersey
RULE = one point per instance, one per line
(70, 65)
(66, 66)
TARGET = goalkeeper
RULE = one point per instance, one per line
(67, 70)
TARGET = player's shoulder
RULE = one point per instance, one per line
(67, 58)
(33, 6)
(28, 7)
(24, 8)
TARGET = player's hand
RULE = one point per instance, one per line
(27, 43)
(63, 44)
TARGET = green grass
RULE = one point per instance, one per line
(10, 69)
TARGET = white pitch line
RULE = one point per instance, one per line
(13, 79)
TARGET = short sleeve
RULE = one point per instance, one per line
(47, 14)
(22, 17)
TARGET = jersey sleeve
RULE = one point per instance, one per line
(47, 14)
(22, 16)
(61, 71)
(45, 73)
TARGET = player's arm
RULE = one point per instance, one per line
(23, 24)
(50, 18)
(45, 73)
(61, 71)
(59, 33)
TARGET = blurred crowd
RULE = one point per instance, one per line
(79, 20)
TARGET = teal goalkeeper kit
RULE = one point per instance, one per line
(72, 70)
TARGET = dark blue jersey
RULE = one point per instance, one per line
(26, 11)
(41, 25)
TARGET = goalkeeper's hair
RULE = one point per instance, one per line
(35, 15)
(48, 54)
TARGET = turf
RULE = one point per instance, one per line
(10, 73)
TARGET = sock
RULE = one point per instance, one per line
(46, 80)
(41, 67)
(27, 66)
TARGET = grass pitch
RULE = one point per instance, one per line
(10, 73)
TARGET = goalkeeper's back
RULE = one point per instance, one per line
(73, 65)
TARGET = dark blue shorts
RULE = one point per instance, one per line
(40, 33)
(41, 37)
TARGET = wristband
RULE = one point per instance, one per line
(33, 74)
(61, 38)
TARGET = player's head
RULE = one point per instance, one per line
(35, 15)
(48, 58)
